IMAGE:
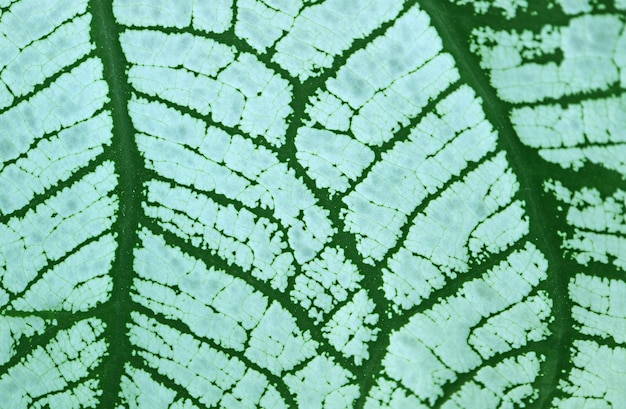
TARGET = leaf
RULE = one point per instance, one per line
(332, 204)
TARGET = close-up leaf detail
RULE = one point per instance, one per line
(312, 204)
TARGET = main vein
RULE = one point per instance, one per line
(128, 163)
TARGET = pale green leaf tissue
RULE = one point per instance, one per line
(312, 204)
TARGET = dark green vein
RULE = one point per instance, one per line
(36, 403)
(55, 189)
(164, 380)
(463, 378)
(105, 34)
(51, 264)
(48, 82)
(531, 171)
(428, 200)
(183, 328)
(221, 200)
(402, 135)
(27, 345)
(302, 319)
(451, 288)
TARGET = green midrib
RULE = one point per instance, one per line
(455, 38)
(545, 221)
(128, 165)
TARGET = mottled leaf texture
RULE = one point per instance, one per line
(312, 204)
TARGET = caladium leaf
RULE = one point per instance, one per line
(316, 204)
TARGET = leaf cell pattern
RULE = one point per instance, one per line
(268, 203)
(574, 117)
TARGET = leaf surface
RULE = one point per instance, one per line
(333, 204)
